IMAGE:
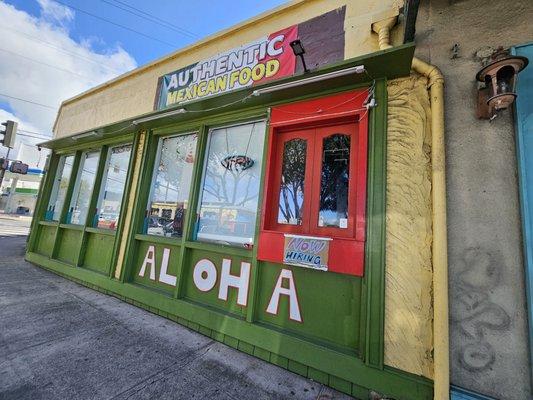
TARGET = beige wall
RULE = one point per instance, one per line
(488, 317)
(134, 93)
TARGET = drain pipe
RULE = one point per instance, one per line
(438, 182)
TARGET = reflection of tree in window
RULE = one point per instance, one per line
(291, 195)
(231, 184)
(334, 181)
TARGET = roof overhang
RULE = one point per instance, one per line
(390, 64)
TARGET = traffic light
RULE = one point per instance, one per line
(10, 133)
(18, 167)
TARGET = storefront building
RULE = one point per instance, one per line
(298, 216)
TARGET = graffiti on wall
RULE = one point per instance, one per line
(474, 313)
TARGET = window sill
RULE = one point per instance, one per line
(172, 241)
(101, 231)
(72, 227)
(48, 223)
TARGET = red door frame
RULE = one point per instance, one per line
(346, 253)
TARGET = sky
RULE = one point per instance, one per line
(51, 50)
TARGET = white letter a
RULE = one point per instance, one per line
(149, 259)
(279, 290)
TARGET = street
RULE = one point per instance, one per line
(60, 340)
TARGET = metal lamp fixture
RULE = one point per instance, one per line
(499, 77)
(299, 51)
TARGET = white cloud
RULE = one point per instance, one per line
(55, 12)
(40, 62)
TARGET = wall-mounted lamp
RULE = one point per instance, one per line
(299, 51)
(499, 77)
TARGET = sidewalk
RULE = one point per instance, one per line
(60, 340)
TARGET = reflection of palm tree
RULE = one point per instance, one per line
(334, 174)
(292, 178)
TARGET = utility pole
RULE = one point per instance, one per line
(4, 164)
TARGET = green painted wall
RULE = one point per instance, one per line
(340, 340)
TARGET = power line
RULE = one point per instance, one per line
(43, 63)
(116, 24)
(31, 136)
(28, 101)
(35, 133)
(36, 39)
(150, 17)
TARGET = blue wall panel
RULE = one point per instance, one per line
(524, 145)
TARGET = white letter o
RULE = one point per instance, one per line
(207, 268)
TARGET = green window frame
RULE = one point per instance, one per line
(172, 173)
(113, 183)
(58, 194)
(80, 199)
(224, 175)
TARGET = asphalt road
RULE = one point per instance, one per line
(60, 340)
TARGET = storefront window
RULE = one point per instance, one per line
(113, 182)
(59, 190)
(169, 195)
(291, 195)
(81, 197)
(335, 172)
(231, 181)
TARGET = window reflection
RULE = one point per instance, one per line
(169, 195)
(114, 180)
(79, 205)
(59, 190)
(230, 189)
(333, 210)
(291, 195)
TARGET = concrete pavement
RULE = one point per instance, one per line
(60, 340)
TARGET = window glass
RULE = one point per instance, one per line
(113, 182)
(291, 194)
(59, 189)
(333, 211)
(79, 205)
(171, 186)
(231, 180)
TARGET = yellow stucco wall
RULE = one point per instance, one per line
(134, 93)
(408, 282)
(408, 309)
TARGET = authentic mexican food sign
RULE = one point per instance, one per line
(269, 57)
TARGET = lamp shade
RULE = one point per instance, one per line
(500, 79)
